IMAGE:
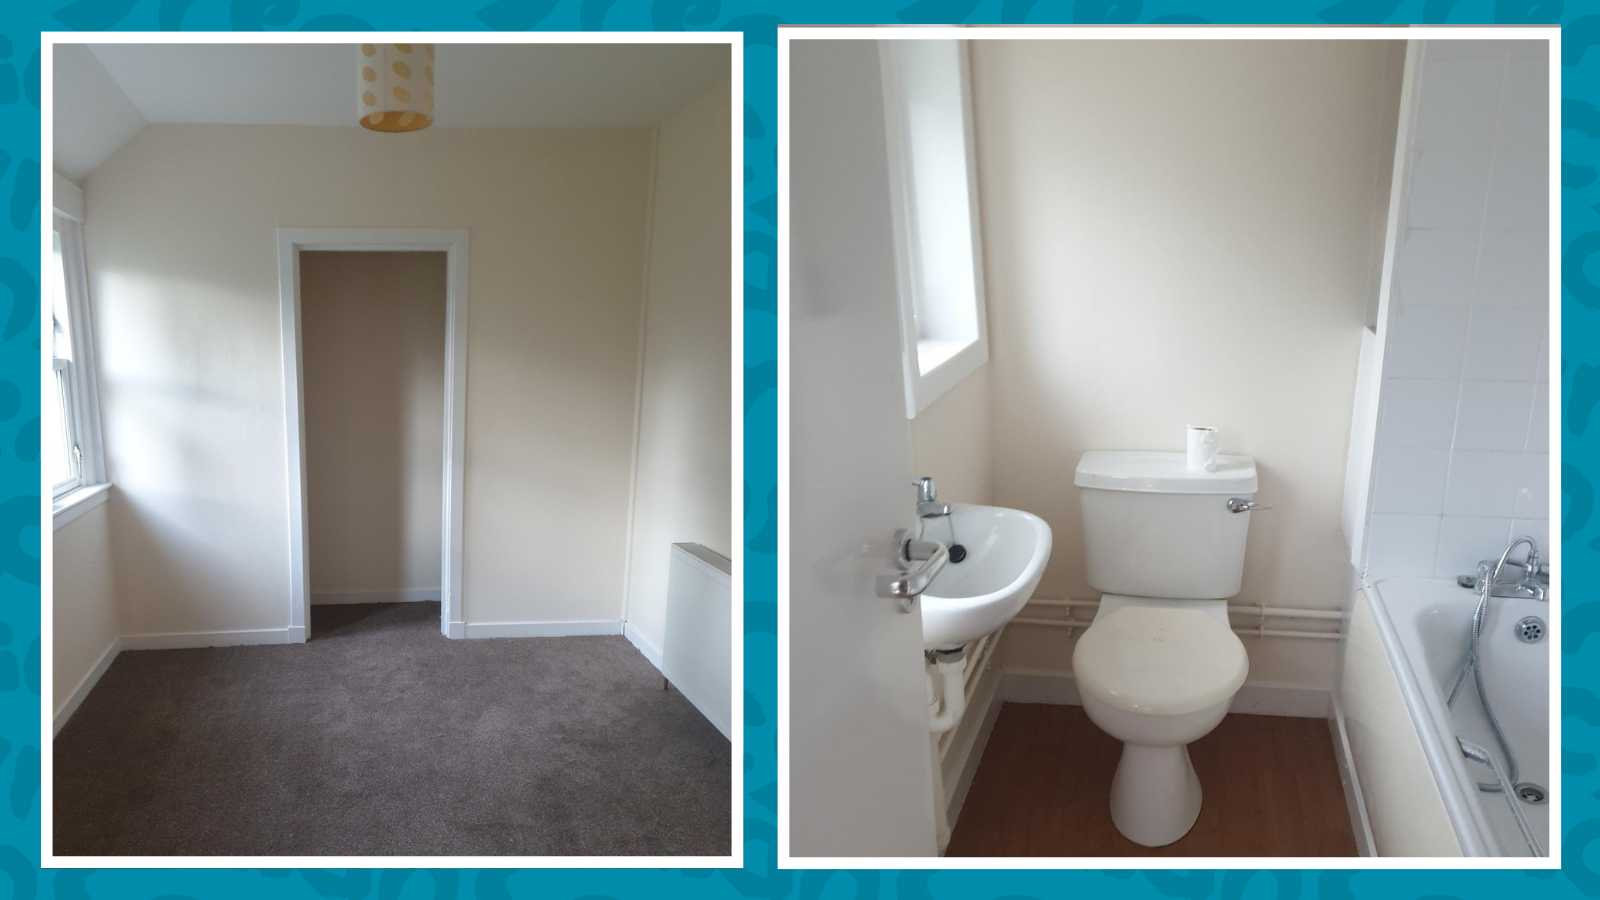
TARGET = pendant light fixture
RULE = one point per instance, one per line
(394, 86)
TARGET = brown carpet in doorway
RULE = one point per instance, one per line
(1269, 785)
(380, 736)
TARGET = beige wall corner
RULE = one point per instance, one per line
(682, 489)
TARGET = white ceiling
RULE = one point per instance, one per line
(478, 86)
(92, 116)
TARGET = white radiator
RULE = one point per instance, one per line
(698, 653)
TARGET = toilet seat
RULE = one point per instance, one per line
(1159, 661)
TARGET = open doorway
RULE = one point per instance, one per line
(372, 359)
(374, 370)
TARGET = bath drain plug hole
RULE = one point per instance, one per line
(1530, 630)
(1528, 792)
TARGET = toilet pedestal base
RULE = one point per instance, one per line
(1155, 796)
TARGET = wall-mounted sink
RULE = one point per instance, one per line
(1006, 550)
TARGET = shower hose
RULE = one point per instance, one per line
(1474, 664)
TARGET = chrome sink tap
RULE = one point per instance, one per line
(928, 505)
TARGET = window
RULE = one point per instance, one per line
(69, 439)
(933, 186)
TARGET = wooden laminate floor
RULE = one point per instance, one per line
(1270, 786)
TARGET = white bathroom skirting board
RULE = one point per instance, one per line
(1254, 698)
(542, 629)
(408, 595)
(1360, 823)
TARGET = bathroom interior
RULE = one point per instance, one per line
(1221, 510)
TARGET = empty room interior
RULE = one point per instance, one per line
(390, 449)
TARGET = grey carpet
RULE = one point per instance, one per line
(380, 736)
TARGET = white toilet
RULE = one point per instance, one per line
(1159, 665)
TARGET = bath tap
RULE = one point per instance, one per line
(1489, 585)
(928, 505)
(1530, 579)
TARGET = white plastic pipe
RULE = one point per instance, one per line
(1248, 632)
(945, 679)
(1275, 612)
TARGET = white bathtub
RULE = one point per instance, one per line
(1424, 626)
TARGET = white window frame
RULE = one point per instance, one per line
(923, 388)
(87, 487)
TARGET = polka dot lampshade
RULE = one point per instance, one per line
(394, 86)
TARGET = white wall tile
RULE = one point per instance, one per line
(1525, 104)
(1402, 545)
(1436, 267)
(1513, 271)
(1519, 189)
(1538, 529)
(1493, 415)
(1410, 481)
(1533, 487)
(1419, 412)
(1484, 215)
(1481, 483)
(1426, 343)
(1460, 102)
(1464, 540)
(1503, 345)
(1448, 187)
(1539, 420)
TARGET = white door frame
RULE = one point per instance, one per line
(453, 243)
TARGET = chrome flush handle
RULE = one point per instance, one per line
(1239, 505)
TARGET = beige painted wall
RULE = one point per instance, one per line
(1180, 232)
(83, 601)
(183, 276)
(950, 441)
(683, 489)
(372, 337)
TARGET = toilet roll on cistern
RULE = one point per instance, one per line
(1203, 443)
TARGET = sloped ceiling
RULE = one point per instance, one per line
(91, 115)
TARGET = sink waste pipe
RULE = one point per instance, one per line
(947, 690)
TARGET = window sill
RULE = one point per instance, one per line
(949, 362)
(74, 504)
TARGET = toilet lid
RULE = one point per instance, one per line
(1159, 661)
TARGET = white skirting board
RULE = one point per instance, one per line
(188, 640)
(87, 684)
(1360, 825)
(406, 595)
(181, 641)
(541, 629)
(642, 644)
